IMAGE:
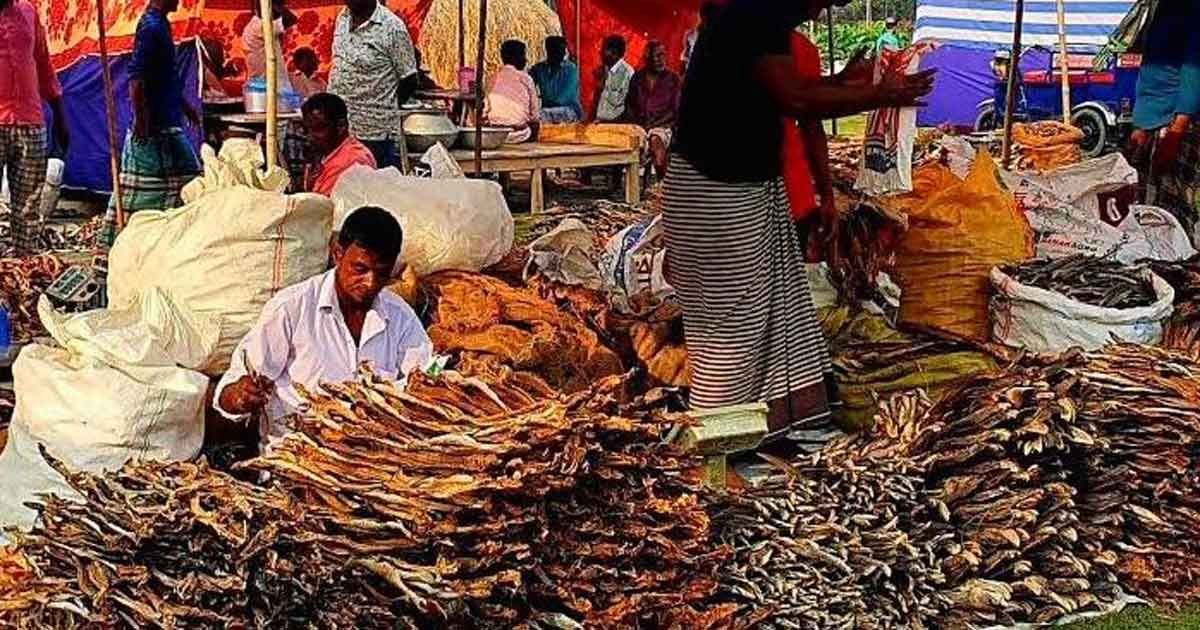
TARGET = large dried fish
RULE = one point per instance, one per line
(22, 281)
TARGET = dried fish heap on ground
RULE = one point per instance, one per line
(1061, 478)
(61, 237)
(480, 505)
(22, 281)
(829, 543)
(1087, 279)
(1182, 331)
(844, 156)
(172, 545)
(480, 318)
(603, 218)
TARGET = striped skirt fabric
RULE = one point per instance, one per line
(736, 264)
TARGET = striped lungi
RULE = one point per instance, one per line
(154, 171)
(737, 267)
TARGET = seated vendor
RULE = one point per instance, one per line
(321, 330)
(512, 99)
(557, 79)
(333, 149)
(653, 103)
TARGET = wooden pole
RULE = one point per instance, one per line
(462, 33)
(110, 108)
(268, 26)
(1010, 100)
(1064, 66)
(483, 5)
(832, 59)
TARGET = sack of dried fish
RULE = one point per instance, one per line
(22, 281)
(1047, 144)
(479, 315)
(958, 230)
(1078, 301)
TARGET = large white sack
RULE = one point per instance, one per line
(1146, 232)
(95, 412)
(448, 223)
(224, 255)
(1029, 317)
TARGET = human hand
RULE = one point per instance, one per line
(1167, 151)
(860, 70)
(907, 90)
(244, 396)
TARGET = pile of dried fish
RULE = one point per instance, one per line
(61, 237)
(1061, 478)
(829, 543)
(844, 156)
(1096, 281)
(480, 317)
(1182, 331)
(863, 245)
(22, 281)
(454, 503)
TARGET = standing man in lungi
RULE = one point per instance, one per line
(733, 255)
(158, 159)
(375, 72)
(26, 79)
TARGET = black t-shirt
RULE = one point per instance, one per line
(729, 127)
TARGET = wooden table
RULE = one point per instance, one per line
(536, 157)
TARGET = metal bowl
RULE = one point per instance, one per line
(423, 130)
(493, 137)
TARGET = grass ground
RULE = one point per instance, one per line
(849, 127)
(1142, 618)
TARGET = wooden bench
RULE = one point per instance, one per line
(566, 146)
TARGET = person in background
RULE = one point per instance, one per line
(512, 99)
(1165, 144)
(255, 45)
(321, 330)
(334, 150)
(613, 78)
(708, 12)
(305, 80)
(26, 81)
(888, 39)
(212, 57)
(653, 103)
(374, 71)
(733, 255)
(158, 158)
(557, 80)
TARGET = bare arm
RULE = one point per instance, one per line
(819, 102)
(816, 145)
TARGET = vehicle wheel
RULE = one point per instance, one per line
(1095, 132)
(986, 119)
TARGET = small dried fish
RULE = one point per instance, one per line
(1096, 281)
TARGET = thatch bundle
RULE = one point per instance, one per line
(530, 21)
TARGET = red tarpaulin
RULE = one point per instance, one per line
(639, 21)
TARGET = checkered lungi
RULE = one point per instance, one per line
(153, 172)
(1177, 189)
(23, 160)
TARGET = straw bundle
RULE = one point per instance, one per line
(530, 21)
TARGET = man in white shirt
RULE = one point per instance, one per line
(256, 47)
(321, 330)
(613, 77)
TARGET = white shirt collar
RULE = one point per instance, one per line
(327, 301)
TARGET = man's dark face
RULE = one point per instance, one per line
(307, 64)
(362, 7)
(556, 53)
(170, 6)
(610, 56)
(656, 57)
(323, 134)
(360, 274)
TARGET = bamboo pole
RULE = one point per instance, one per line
(1010, 99)
(832, 58)
(483, 6)
(110, 110)
(268, 26)
(1064, 65)
(462, 34)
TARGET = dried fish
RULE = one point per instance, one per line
(22, 281)
(1096, 281)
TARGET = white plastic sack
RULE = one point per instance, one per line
(632, 265)
(223, 255)
(94, 411)
(459, 224)
(1145, 232)
(1046, 321)
(240, 163)
(1094, 186)
(886, 165)
(437, 163)
(565, 255)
